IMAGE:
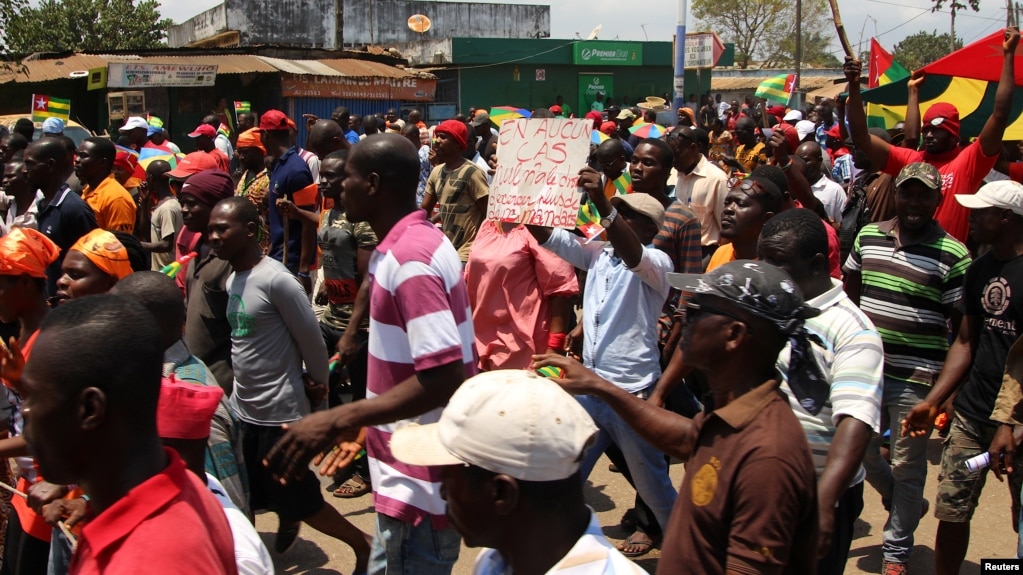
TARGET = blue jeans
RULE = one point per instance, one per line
(400, 548)
(647, 465)
(901, 483)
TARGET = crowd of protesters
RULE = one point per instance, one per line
(783, 299)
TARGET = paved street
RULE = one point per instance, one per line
(610, 496)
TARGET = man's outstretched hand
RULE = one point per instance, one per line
(303, 440)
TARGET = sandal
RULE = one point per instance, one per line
(640, 542)
(356, 486)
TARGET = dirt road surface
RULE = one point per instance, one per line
(610, 496)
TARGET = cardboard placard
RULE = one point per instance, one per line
(537, 177)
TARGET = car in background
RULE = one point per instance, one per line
(72, 129)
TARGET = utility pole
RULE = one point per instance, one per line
(952, 47)
(680, 58)
(799, 38)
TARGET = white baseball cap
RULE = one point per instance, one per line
(1005, 194)
(508, 421)
(793, 116)
(804, 128)
(132, 123)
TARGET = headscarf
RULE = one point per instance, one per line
(103, 249)
(26, 251)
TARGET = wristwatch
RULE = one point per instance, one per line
(606, 222)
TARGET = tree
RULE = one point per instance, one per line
(816, 52)
(763, 30)
(9, 9)
(922, 48)
(86, 25)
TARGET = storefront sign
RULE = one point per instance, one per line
(130, 75)
(375, 88)
(537, 177)
(592, 84)
(597, 53)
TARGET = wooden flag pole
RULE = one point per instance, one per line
(841, 29)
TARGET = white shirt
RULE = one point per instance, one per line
(592, 554)
(832, 195)
(722, 108)
(223, 144)
(249, 552)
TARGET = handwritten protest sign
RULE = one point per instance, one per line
(537, 177)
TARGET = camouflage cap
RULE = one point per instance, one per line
(923, 172)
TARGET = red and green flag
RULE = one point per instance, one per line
(48, 107)
(883, 69)
(588, 219)
(777, 88)
(967, 79)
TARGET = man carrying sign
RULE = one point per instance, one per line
(625, 289)
(458, 185)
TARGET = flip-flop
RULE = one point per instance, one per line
(646, 546)
(356, 486)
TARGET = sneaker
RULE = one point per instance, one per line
(888, 568)
(287, 535)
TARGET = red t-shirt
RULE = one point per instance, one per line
(961, 173)
(1016, 171)
(167, 525)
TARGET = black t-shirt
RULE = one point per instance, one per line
(993, 291)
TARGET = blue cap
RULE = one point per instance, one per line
(53, 126)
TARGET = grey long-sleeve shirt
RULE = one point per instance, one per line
(273, 330)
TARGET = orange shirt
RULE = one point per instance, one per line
(722, 256)
(115, 208)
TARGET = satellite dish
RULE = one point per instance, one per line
(419, 23)
(593, 34)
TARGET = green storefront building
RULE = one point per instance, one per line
(533, 73)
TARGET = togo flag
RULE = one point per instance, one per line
(46, 107)
(777, 88)
(242, 107)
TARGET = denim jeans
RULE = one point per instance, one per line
(901, 483)
(400, 548)
(647, 465)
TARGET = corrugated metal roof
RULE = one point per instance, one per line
(314, 67)
(60, 68)
(368, 69)
(737, 84)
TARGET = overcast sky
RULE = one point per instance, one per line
(862, 18)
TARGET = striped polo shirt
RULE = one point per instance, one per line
(851, 355)
(909, 292)
(419, 318)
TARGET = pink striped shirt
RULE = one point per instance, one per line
(419, 319)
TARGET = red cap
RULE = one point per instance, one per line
(193, 164)
(129, 163)
(776, 110)
(185, 410)
(608, 128)
(454, 129)
(556, 109)
(274, 120)
(203, 130)
(944, 116)
(791, 136)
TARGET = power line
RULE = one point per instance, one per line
(959, 14)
